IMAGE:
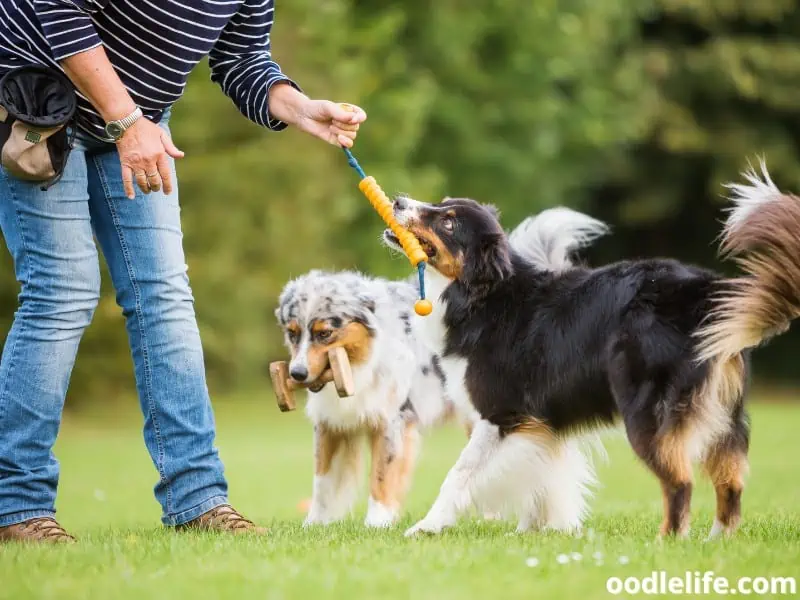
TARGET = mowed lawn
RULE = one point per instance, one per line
(106, 499)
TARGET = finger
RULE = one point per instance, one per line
(154, 181)
(351, 133)
(166, 174)
(357, 115)
(171, 148)
(345, 126)
(344, 141)
(141, 181)
(127, 182)
(345, 113)
(343, 132)
(338, 112)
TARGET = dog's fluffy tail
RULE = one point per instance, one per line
(548, 239)
(762, 233)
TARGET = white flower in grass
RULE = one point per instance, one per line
(624, 560)
(562, 559)
(532, 561)
(576, 556)
(597, 555)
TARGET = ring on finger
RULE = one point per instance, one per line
(141, 178)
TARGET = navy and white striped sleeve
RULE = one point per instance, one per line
(67, 25)
(241, 62)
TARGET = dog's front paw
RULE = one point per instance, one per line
(310, 522)
(379, 521)
(379, 515)
(426, 526)
(314, 518)
(719, 530)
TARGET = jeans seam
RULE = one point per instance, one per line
(145, 346)
(25, 269)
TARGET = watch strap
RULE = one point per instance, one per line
(127, 122)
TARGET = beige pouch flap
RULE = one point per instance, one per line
(25, 154)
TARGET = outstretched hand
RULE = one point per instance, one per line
(334, 123)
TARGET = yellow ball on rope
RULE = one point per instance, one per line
(423, 307)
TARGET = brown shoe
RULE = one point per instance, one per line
(223, 518)
(44, 530)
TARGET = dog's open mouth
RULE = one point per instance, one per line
(391, 240)
(325, 377)
(317, 385)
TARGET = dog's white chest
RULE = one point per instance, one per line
(455, 369)
(432, 332)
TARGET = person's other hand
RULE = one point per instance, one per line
(143, 154)
(334, 123)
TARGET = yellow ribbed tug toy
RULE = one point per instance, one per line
(411, 246)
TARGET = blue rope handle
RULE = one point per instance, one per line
(351, 160)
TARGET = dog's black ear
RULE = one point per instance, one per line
(492, 210)
(486, 265)
(488, 262)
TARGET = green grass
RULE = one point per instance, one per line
(105, 498)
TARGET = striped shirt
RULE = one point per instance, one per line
(153, 45)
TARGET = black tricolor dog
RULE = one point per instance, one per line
(660, 345)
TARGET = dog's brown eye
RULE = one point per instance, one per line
(448, 224)
(324, 335)
(294, 337)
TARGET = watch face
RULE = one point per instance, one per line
(114, 130)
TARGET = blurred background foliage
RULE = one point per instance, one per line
(635, 112)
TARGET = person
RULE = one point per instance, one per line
(129, 62)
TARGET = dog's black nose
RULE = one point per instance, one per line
(299, 373)
(400, 203)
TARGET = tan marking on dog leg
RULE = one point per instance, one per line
(337, 461)
(677, 499)
(727, 467)
(675, 472)
(407, 462)
(383, 474)
(710, 420)
(326, 443)
(392, 468)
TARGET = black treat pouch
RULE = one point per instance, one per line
(37, 105)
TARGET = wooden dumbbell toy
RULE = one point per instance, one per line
(338, 371)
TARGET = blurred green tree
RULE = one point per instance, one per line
(633, 111)
(724, 76)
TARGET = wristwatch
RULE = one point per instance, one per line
(116, 129)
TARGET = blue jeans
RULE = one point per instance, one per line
(50, 235)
